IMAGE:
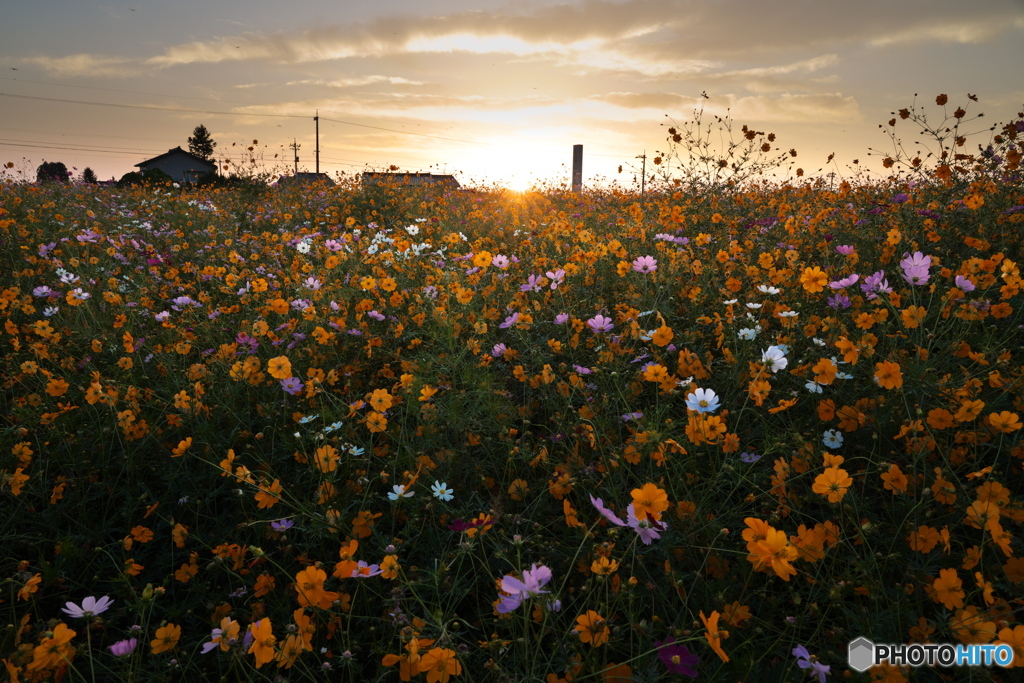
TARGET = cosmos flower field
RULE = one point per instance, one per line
(435, 435)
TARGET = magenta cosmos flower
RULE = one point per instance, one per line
(677, 658)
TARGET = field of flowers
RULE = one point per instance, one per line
(482, 436)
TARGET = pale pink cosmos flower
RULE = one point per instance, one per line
(647, 529)
(91, 606)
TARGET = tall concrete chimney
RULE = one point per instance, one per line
(577, 168)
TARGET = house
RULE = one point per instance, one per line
(303, 179)
(181, 166)
(373, 178)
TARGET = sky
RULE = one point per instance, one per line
(492, 92)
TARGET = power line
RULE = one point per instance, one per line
(284, 116)
(148, 107)
(127, 92)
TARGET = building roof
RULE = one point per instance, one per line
(178, 151)
(304, 178)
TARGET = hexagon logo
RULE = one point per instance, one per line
(861, 654)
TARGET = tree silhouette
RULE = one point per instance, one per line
(89, 176)
(52, 172)
(201, 143)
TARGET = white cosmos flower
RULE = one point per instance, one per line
(766, 289)
(775, 358)
(747, 333)
(442, 492)
(399, 492)
(702, 401)
(832, 438)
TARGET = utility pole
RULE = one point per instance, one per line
(317, 120)
(643, 173)
(295, 147)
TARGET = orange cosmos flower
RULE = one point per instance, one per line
(592, 628)
(262, 642)
(969, 410)
(440, 664)
(326, 458)
(714, 635)
(376, 422)
(813, 279)
(1014, 637)
(888, 375)
(57, 387)
(895, 480)
(971, 627)
(825, 371)
(940, 418)
(53, 651)
(166, 639)
(30, 587)
(280, 367)
(650, 501)
(833, 483)
(777, 552)
(381, 400)
(1004, 422)
(949, 589)
(309, 587)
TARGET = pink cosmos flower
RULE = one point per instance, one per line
(845, 282)
(534, 579)
(964, 283)
(556, 277)
(600, 323)
(293, 385)
(123, 648)
(365, 571)
(645, 264)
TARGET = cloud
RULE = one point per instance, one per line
(635, 100)
(811, 108)
(85, 65)
(963, 30)
(356, 81)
